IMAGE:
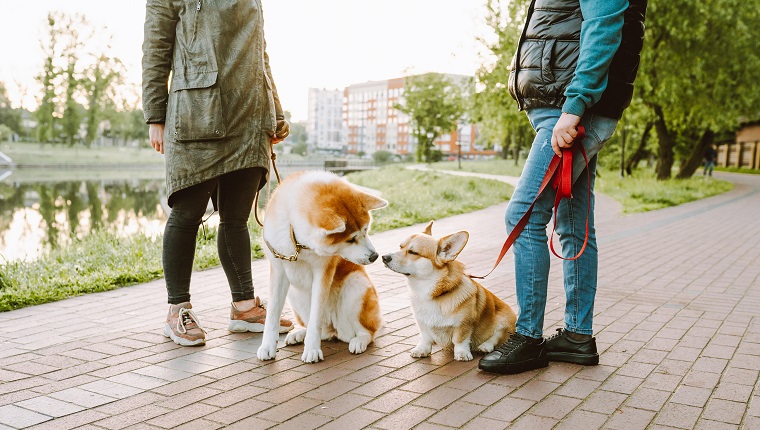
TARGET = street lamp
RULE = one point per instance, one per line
(459, 147)
(429, 146)
(623, 133)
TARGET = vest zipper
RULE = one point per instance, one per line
(198, 6)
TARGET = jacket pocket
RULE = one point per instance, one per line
(199, 115)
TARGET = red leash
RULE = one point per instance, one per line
(560, 174)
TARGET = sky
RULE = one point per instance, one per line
(311, 44)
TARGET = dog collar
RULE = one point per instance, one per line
(296, 245)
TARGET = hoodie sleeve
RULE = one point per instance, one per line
(601, 33)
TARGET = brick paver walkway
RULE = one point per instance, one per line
(677, 321)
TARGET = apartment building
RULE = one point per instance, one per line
(372, 123)
(324, 126)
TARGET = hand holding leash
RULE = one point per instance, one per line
(565, 132)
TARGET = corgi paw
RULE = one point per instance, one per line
(420, 351)
(295, 336)
(462, 355)
(266, 352)
(312, 356)
(358, 345)
(486, 347)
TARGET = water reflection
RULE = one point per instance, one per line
(38, 216)
(43, 214)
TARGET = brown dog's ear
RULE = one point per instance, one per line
(331, 223)
(450, 246)
(429, 229)
(371, 202)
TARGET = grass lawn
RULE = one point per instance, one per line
(102, 261)
(491, 167)
(737, 170)
(639, 193)
(48, 154)
(416, 196)
(643, 192)
(58, 154)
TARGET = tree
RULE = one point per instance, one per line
(100, 80)
(5, 133)
(72, 35)
(434, 105)
(382, 157)
(493, 107)
(9, 117)
(47, 79)
(698, 74)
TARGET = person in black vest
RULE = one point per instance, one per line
(710, 156)
(575, 64)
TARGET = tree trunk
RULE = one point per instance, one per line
(640, 151)
(667, 143)
(697, 155)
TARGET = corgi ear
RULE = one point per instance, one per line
(331, 223)
(429, 229)
(450, 246)
(371, 202)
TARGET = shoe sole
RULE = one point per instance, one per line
(570, 357)
(168, 332)
(238, 326)
(510, 369)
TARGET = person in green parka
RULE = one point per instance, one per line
(213, 111)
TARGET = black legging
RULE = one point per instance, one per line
(235, 199)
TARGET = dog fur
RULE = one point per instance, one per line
(450, 307)
(331, 294)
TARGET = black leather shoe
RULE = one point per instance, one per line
(517, 354)
(560, 347)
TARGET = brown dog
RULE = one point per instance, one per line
(450, 308)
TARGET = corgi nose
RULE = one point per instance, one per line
(373, 257)
(387, 258)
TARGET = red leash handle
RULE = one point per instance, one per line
(560, 173)
(564, 186)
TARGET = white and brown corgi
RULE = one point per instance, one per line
(450, 307)
(316, 236)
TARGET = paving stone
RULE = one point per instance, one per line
(17, 417)
(724, 411)
(692, 396)
(50, 406)
(678, 416)
(406, 417)
(508, 409)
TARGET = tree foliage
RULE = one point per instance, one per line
(99, 82)
(698, 74)
(434, 105)
(79, 81)
(492, 106)
(9, 117)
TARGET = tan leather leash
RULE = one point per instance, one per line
(560, 174)
(298, 246)
(269, 186)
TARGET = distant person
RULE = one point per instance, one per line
(711, 155)
(575, 65)
(215, 123)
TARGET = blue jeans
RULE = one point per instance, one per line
(531, 248)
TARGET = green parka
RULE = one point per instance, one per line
(221, 103)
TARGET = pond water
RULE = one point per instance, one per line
(37, 215)
(43, 209)
(39, 212)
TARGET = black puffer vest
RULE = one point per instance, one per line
(548, 50)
